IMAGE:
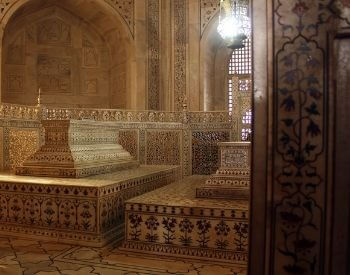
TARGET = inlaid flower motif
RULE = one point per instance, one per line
(135, 226)
(222, 229)
(152, 223)
(186, 226)
(203, 227)
(169, 225)
(300, 9)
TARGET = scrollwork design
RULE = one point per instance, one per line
(300, 114)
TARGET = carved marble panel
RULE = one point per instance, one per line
(163, 147)
(16, 50)
(22, 144)
(205, 157)
(54, 73)
(90, 86)
(53, 31)
(90, 54)
(129, 140)
(15, 82)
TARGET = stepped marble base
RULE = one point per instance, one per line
(87, 211)
(75, 172)
(221, 192)
(172, 221)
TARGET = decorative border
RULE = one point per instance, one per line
(180, 39)
(153, 37)
(300, 115)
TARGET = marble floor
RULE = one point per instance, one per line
(27, 257)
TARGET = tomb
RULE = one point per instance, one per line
(199, 217)
(232, 179)
(76, 149)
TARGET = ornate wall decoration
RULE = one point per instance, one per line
(153, 37)
(208, 10)
(126, 9)
(54, 73)
(22, 144)
(16, 51)
(180, 41)
(53, 31)
(300, 136)
(129, 140)
(163, 147)
(205, 158)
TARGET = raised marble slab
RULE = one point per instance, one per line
(87, 211)
(172, 221)
(232, 179)
(76, 149)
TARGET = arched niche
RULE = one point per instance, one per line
(80, 54)
(214, 57)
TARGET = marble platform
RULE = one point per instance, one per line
(87, 211)
(172, 221)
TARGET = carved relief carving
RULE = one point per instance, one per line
(205, 155)
(54, 73)
(16, 51)
(53, 31)
(180, 19)
(15, 83)
(153, 54)
(208, 10)
(91, 86)
(129, 140)
(90, 54)
(163, 147)
(4, 4)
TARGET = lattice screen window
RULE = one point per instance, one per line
(230, 95)
(241, 61)
(240, 65)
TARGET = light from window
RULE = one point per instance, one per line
(244, 85)
(240, 62)
(230, 94)
(246, 134)
(247, 117)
